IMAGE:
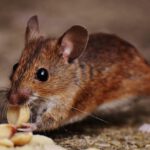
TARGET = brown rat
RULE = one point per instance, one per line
(62, 78)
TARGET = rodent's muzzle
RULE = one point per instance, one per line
(18, 97)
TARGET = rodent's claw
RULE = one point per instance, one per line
(28, 127)
(145, 128)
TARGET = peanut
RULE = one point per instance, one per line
(18, 115)
(20, 139)
(6, 130)
(6, 143)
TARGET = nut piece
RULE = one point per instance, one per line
(36, 139)
(18, 115)
(6, 143)
(21, 138)
(6, 130)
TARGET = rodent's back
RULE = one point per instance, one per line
(111, 68)
(105, 48)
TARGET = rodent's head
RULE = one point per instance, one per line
(47, 66)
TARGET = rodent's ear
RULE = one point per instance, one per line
(32, 29)
(73, 42)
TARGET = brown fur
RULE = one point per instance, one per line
(108, 69)
(113, 69)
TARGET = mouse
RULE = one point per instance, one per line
(60, 78)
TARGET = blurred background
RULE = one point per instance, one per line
(128, 19)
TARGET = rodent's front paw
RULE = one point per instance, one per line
(46, 122)
(28, 127)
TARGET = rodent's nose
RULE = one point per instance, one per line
(19, 97)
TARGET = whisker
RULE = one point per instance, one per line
(4, 110)
(91, 115)
(42, 100)
(3, 103)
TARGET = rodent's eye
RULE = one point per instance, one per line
(15, 67)
(42, 74)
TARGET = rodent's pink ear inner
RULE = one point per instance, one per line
(73, 42)
(32, 30)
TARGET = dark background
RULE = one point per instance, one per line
(129, 19)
